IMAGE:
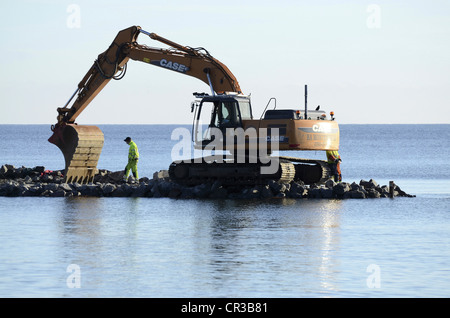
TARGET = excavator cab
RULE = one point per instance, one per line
(215, 114)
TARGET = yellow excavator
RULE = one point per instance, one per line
(223, 120)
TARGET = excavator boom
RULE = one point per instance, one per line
(82, 145)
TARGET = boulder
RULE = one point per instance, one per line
(202, 190)
(58, 193)
(25, 181)
(65, 187)
(373, 193)
(51, 187)
(141, 190)
(162, 174)
(326, 193)
(341, 188)
(330, 183)
(155, 191)
(3, 171)
(219, 193)
(118, 192)
(266, 193)
(315, 193)
(39, 169)
(276, 187)
(368, 184)
(355, 194)
(165, 187)
(108, 189)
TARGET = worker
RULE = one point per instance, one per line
(334, 159)
(133, 158)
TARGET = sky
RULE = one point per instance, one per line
(370, 62)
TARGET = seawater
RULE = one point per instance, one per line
(148, 247)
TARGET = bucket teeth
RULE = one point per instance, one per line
(81, 147)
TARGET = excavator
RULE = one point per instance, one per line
(223, 120)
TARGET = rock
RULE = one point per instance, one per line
(202, 190)
(116, 177)
(174, 193)
(141, 190)
(46, 193)
(58, 193)
(162, 174)
(216, 185)
(89, 190)
(218, 193)
(187, 193)
(51, 187)
(280, 195)
(298, 190)
(266, 193)
(356, 194)
(144, 180)
(65, 187)
(25, 181)
(118, 192)
(23, 190)
(252, 193)
(39, 169)
(28, 179)
(276, 187)
(368, 184)
(47, 178)
(164, 187)
(155, 191)
(327, 193)
(108, 189)
(10, 172)
(373, 193)
(315, 193)
(34, 190)
(330, 183)
(3, 171)
(341, 188)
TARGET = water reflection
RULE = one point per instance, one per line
(99, 235)
(239, 247)
(249, 239)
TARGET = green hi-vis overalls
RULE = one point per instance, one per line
(133, 157)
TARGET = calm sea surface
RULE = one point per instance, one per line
(148, 247)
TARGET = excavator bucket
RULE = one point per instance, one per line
(81, 147)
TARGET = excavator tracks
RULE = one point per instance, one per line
(203, 170)
(310, 171)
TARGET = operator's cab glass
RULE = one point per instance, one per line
(219, 113)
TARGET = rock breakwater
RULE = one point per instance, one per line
(40, 182)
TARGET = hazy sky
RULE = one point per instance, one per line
(368, 61)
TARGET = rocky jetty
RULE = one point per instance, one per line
(38, 181)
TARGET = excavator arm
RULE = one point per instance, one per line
(82, 145)
(112, 63)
